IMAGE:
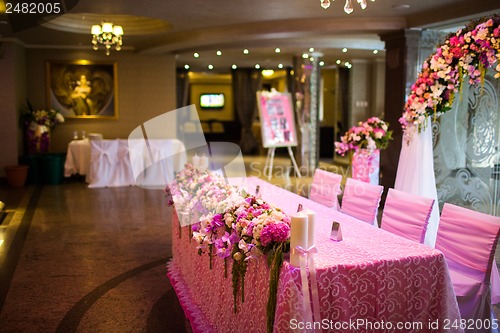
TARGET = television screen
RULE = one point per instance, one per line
(212, 101)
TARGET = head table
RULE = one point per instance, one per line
(371, 281)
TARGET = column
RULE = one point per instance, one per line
(306, 84)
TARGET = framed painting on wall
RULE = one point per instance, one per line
(82, 89)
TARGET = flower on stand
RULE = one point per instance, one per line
(372, 134)
(466, 53)
(37, 125)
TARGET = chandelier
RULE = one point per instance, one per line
(348, 8)
(108, 35)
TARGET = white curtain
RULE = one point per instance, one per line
(415, 175)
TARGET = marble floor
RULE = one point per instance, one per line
(76, 259)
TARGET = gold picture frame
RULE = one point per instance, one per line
(83, 89)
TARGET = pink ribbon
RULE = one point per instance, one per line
(307, 261)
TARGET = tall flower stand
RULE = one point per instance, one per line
(366, 165)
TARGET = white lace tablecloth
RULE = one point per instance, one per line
(369, 278)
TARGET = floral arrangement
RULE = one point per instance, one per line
(371, 134)
(48, 118)
(233, 225)
(37, 124)
(468, 52)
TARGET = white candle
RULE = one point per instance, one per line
(311, 217)
(298, 237)
(196, 161)
(203, 162)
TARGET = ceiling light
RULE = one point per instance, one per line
(196, 55)
(311, 49)
(322, 63)
(108, 35)
(305, 55)
(219, 53)
(344, 49)
(401, 7)
(338, 62)
(210, 66)
(280, 66)
(257, 66)
(311, 59)
(277, 50)
(186, 66)
(375, 51)
(245, 51)
(348, 8)
(234, 66)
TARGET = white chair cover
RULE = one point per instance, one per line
(325, 188)
(162, 158)
(406, 214)
(361, 200)
(123, 175)
(468, 240)
(103, 160)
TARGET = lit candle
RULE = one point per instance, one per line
(196, 161)
(298, 237)
(203, 162)
(311, 217)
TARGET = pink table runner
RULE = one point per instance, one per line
(368, 281)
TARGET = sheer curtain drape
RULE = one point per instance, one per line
(246, 83)
(416, 175)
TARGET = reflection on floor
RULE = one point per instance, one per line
(93, 260)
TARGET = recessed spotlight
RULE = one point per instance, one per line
(234, 66)
(257, 66)
(311, 49)
(277, 50)
(375, 51)
(311, 59)
(322, 63)
(305, 55)
(344, 49)
(186, 66)
(196, 55)
(219, 53)
(280, 65)
(210, 66)
(347, 63)
(338, 62)
(245, 51)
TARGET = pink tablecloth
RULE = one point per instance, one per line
(371, 279)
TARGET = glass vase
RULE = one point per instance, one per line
(366, 165)
(38, 138)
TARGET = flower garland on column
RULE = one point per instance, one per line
(467, 53)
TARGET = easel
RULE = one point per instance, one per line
(270, 160)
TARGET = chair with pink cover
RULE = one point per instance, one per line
(361, 200)
(325, 188)
(406, 214)
(468, 240)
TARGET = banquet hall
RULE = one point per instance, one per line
(105, 103)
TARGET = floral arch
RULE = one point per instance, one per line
(468, 53)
